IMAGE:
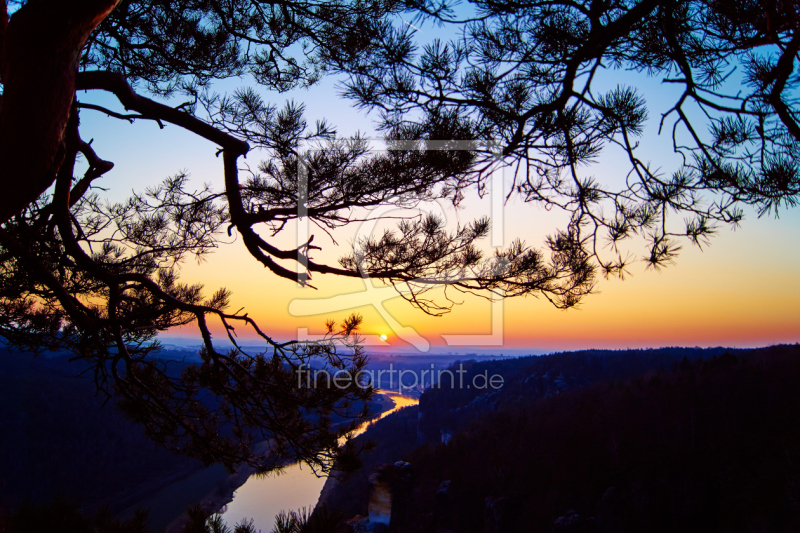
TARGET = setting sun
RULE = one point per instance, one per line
(383, 336)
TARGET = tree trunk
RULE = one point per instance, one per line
(42, 46)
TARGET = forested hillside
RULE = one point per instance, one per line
(59, 440)
(702, 444)
(62, 440)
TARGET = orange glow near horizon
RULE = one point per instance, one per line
(741, 291)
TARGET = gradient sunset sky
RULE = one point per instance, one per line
(743, 290)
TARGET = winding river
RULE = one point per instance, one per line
(261, 498)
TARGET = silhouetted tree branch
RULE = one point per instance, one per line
(517, 88)
(98, 279)
(523, 76)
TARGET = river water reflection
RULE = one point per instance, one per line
(261, 498)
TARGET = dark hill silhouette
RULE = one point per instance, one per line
(59, 440)
(699, 444)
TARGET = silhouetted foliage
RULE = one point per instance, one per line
(99, 279)
(549, 87)
(517, 88)
(299, 521)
